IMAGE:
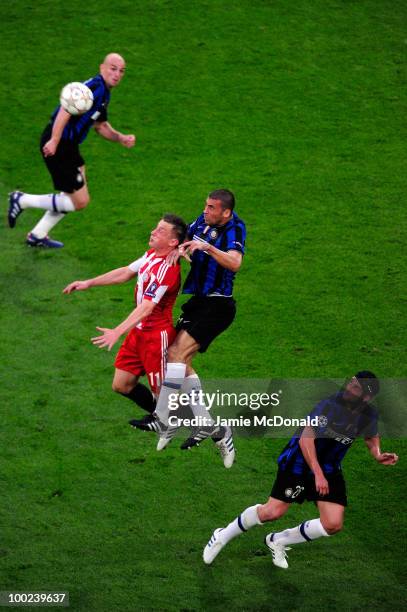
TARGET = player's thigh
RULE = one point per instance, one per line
(273, 509)
(183, 348)
(124, 382)
(331, 515)
(153, 350)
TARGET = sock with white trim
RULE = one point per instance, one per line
(171, 386)
(306, 532)
(246, 520)
(192, 386)
(55, 202)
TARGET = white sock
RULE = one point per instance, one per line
(55, 202)
(192, 386)
(46, 223)
(248, 519)
(306, 532)
(174, 378)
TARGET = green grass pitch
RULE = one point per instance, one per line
(299, 107)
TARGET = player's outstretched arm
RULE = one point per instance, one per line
(105, 130)
(307, 446)
(114, 277)
(109, 337)
(373, 445)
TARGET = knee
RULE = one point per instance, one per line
(175, 355)
(81, 202)
(332, 526)
(121, 387)
(270, 512)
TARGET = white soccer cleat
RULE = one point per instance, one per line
(226, 448)
(213, 547)
(165, 437)
(278, 551)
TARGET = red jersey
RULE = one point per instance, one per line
(159, 283)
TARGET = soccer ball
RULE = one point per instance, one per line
(76, 98)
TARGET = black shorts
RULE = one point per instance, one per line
(204, 318)
(291, 488)
(64, 166)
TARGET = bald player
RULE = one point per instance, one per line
(59, 147)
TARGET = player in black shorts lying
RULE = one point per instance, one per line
(309, 468)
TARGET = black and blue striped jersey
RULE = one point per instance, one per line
(338, 425)
(206, 277)
(78, 126)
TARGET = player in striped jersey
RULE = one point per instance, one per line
(215, 242)
(309, 468)
(149, 326)
(59, 147)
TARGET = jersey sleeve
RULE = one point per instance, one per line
(135, 265)
(236, 237)
(368, 424)
(322, 413)
(167, 278)
(99, 107)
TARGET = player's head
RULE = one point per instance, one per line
(112, 69)
(363, 386)
(219, 207)
(168, 234)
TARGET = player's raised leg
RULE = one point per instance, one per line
(128, 385)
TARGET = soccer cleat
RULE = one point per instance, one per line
(213, 547)
(199, 435)
(226, 447)
(14, 208)
(149, 423)
(44, 243)
(166, 437)
(278, 551)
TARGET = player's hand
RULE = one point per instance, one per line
(183, 252)
(127, 140)
(107, 339)
(173, 257)
(49, 148)
(321, 484)
(76, 286)
(387, 458)
(194, 245)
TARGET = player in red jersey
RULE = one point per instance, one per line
(150, 324)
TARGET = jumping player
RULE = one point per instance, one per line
(150, 324)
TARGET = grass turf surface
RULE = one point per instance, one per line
(298, 107)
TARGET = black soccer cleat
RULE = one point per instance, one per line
(199, 435)
(14, 208)
(148, 423)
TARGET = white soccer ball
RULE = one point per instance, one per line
(76, 98)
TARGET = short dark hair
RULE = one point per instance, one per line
(179, 226)
(225, 196)
(369, 382)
